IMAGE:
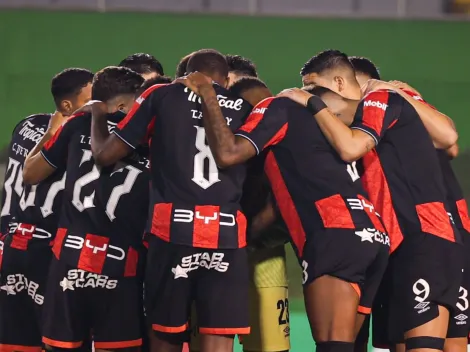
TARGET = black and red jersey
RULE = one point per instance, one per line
(314, 189)
(29, 213)
(193, 202)
(402, 174)
(455, 199)
(104, 210)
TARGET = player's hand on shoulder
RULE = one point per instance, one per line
(296, 94)
(90, 106)
(56, 120)
(195, 81)
(404, 86)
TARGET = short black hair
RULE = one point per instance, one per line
(208, 61)
(113, 81)
(69, 82)
(182, 66)
(241, 65)
(317, 90)
(246, 83)
(143, 63)
(326, 60)
(151, 82)
(365, 66)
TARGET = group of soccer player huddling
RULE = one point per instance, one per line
(148, 212)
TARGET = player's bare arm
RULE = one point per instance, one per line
(36, 168)
(226, 148)
(439, 126)
(106, 148)
(350, 144)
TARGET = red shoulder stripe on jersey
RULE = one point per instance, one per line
(435, 220)
(376, 185)
(58, 241)
(241, 223)
(463, 214)
(334, 213)
(93, 253)
(279, 136)
(285, 203)
(417, 97)
(137, 103)
(372, 114)
(256, 115)
(56, 135)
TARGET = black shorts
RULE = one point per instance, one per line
(459, 323)
(23, 278)
(215, 279)
(426, 271)
(356, 256)
(79, 303)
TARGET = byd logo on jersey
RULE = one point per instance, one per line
(77, 278)
(112, 252)
(183, 215)
(371, 235)
(376, 104)
(18, 282)
(29, 231)
(209, 261)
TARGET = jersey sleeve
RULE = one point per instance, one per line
(55, 150)
(135, 127)
(376, 113)
(418, 97)
(266, 125)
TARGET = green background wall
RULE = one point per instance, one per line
(433, 56)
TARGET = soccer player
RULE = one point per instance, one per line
(196, 230)
(94, 284)
(269, 301)
(29, 218)
(405, 183)
(144, 64)
(458, 328)
(333, 227)
(240, 67)
(182, 65)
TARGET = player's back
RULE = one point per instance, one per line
(404, 170)
(29, 211)
(104, 209)
(183, 167)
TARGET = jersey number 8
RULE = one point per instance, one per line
(204, 153)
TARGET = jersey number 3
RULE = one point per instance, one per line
(201, 177)
(94, 175)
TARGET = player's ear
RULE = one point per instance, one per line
(66, 107)
(339, 83)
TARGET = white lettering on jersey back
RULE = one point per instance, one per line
(184, 215)
(224, 102)
(197, 115)
(376, 104)
(24, 229)
(31, 132)
(76, 242)
(205, 260)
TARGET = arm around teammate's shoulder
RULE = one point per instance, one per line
(37, 167)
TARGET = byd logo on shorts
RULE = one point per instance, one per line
(16, 283)
(209, 261)
(78, 278)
